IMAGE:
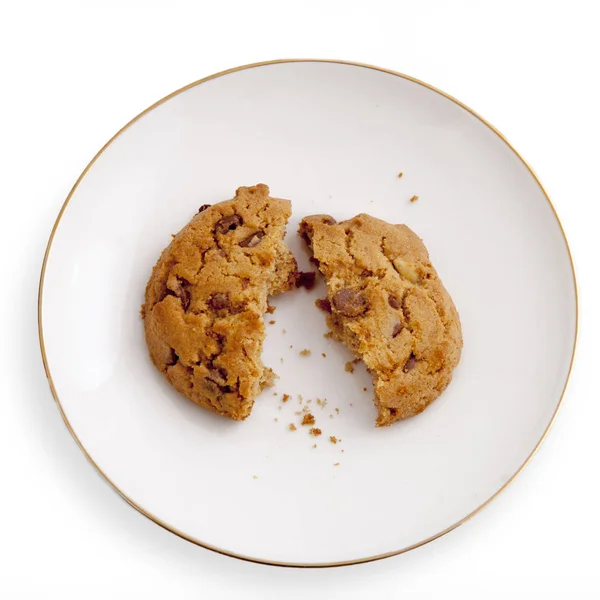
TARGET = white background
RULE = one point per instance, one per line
(74, 73)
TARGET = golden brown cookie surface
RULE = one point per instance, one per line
(205, 301)
(387, 304)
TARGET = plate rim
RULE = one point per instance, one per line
(232, 554)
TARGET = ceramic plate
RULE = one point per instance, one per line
(332, 137)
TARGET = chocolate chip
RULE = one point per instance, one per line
(323, 304)
(393, 412)
(204, 207)
(252, 240)
(349, 302)
(173, 358)
(314, 261)
(366, 273)
(224, 389)
(219, 338)
(329, 221)
(228, 223)
(305, 233)
(306, 279)
(410, 363)
(393, 301)
(218, 375)
(397, 329)
(219, 301)
(182, 291)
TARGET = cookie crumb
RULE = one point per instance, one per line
(349, 367)
(308, 419)
(400, 175)
(333, 439)
(328, 335)
(291, 346)
(285, 398)
(314, 445)
(271, 322)
(364, 389)
(275, 419)
(270, 377)
(336, 464)
(414, 199)
(337, 410)
(323, 355)
(305, 352)
(315, 431)
(292, 427)
(271, 309)
(300, 398)
(298, 412)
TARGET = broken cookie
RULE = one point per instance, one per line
(386, 302)
(206, 298)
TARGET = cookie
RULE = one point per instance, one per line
(206, 298)
(386, 302)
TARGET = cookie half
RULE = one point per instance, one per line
(387, 304)
(206, 298)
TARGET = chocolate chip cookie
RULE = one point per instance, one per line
(206, 298)
(386, 302)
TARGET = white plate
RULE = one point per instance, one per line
(332, 137)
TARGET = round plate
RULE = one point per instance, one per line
(332, 137)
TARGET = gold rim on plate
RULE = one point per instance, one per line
(227, 552)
